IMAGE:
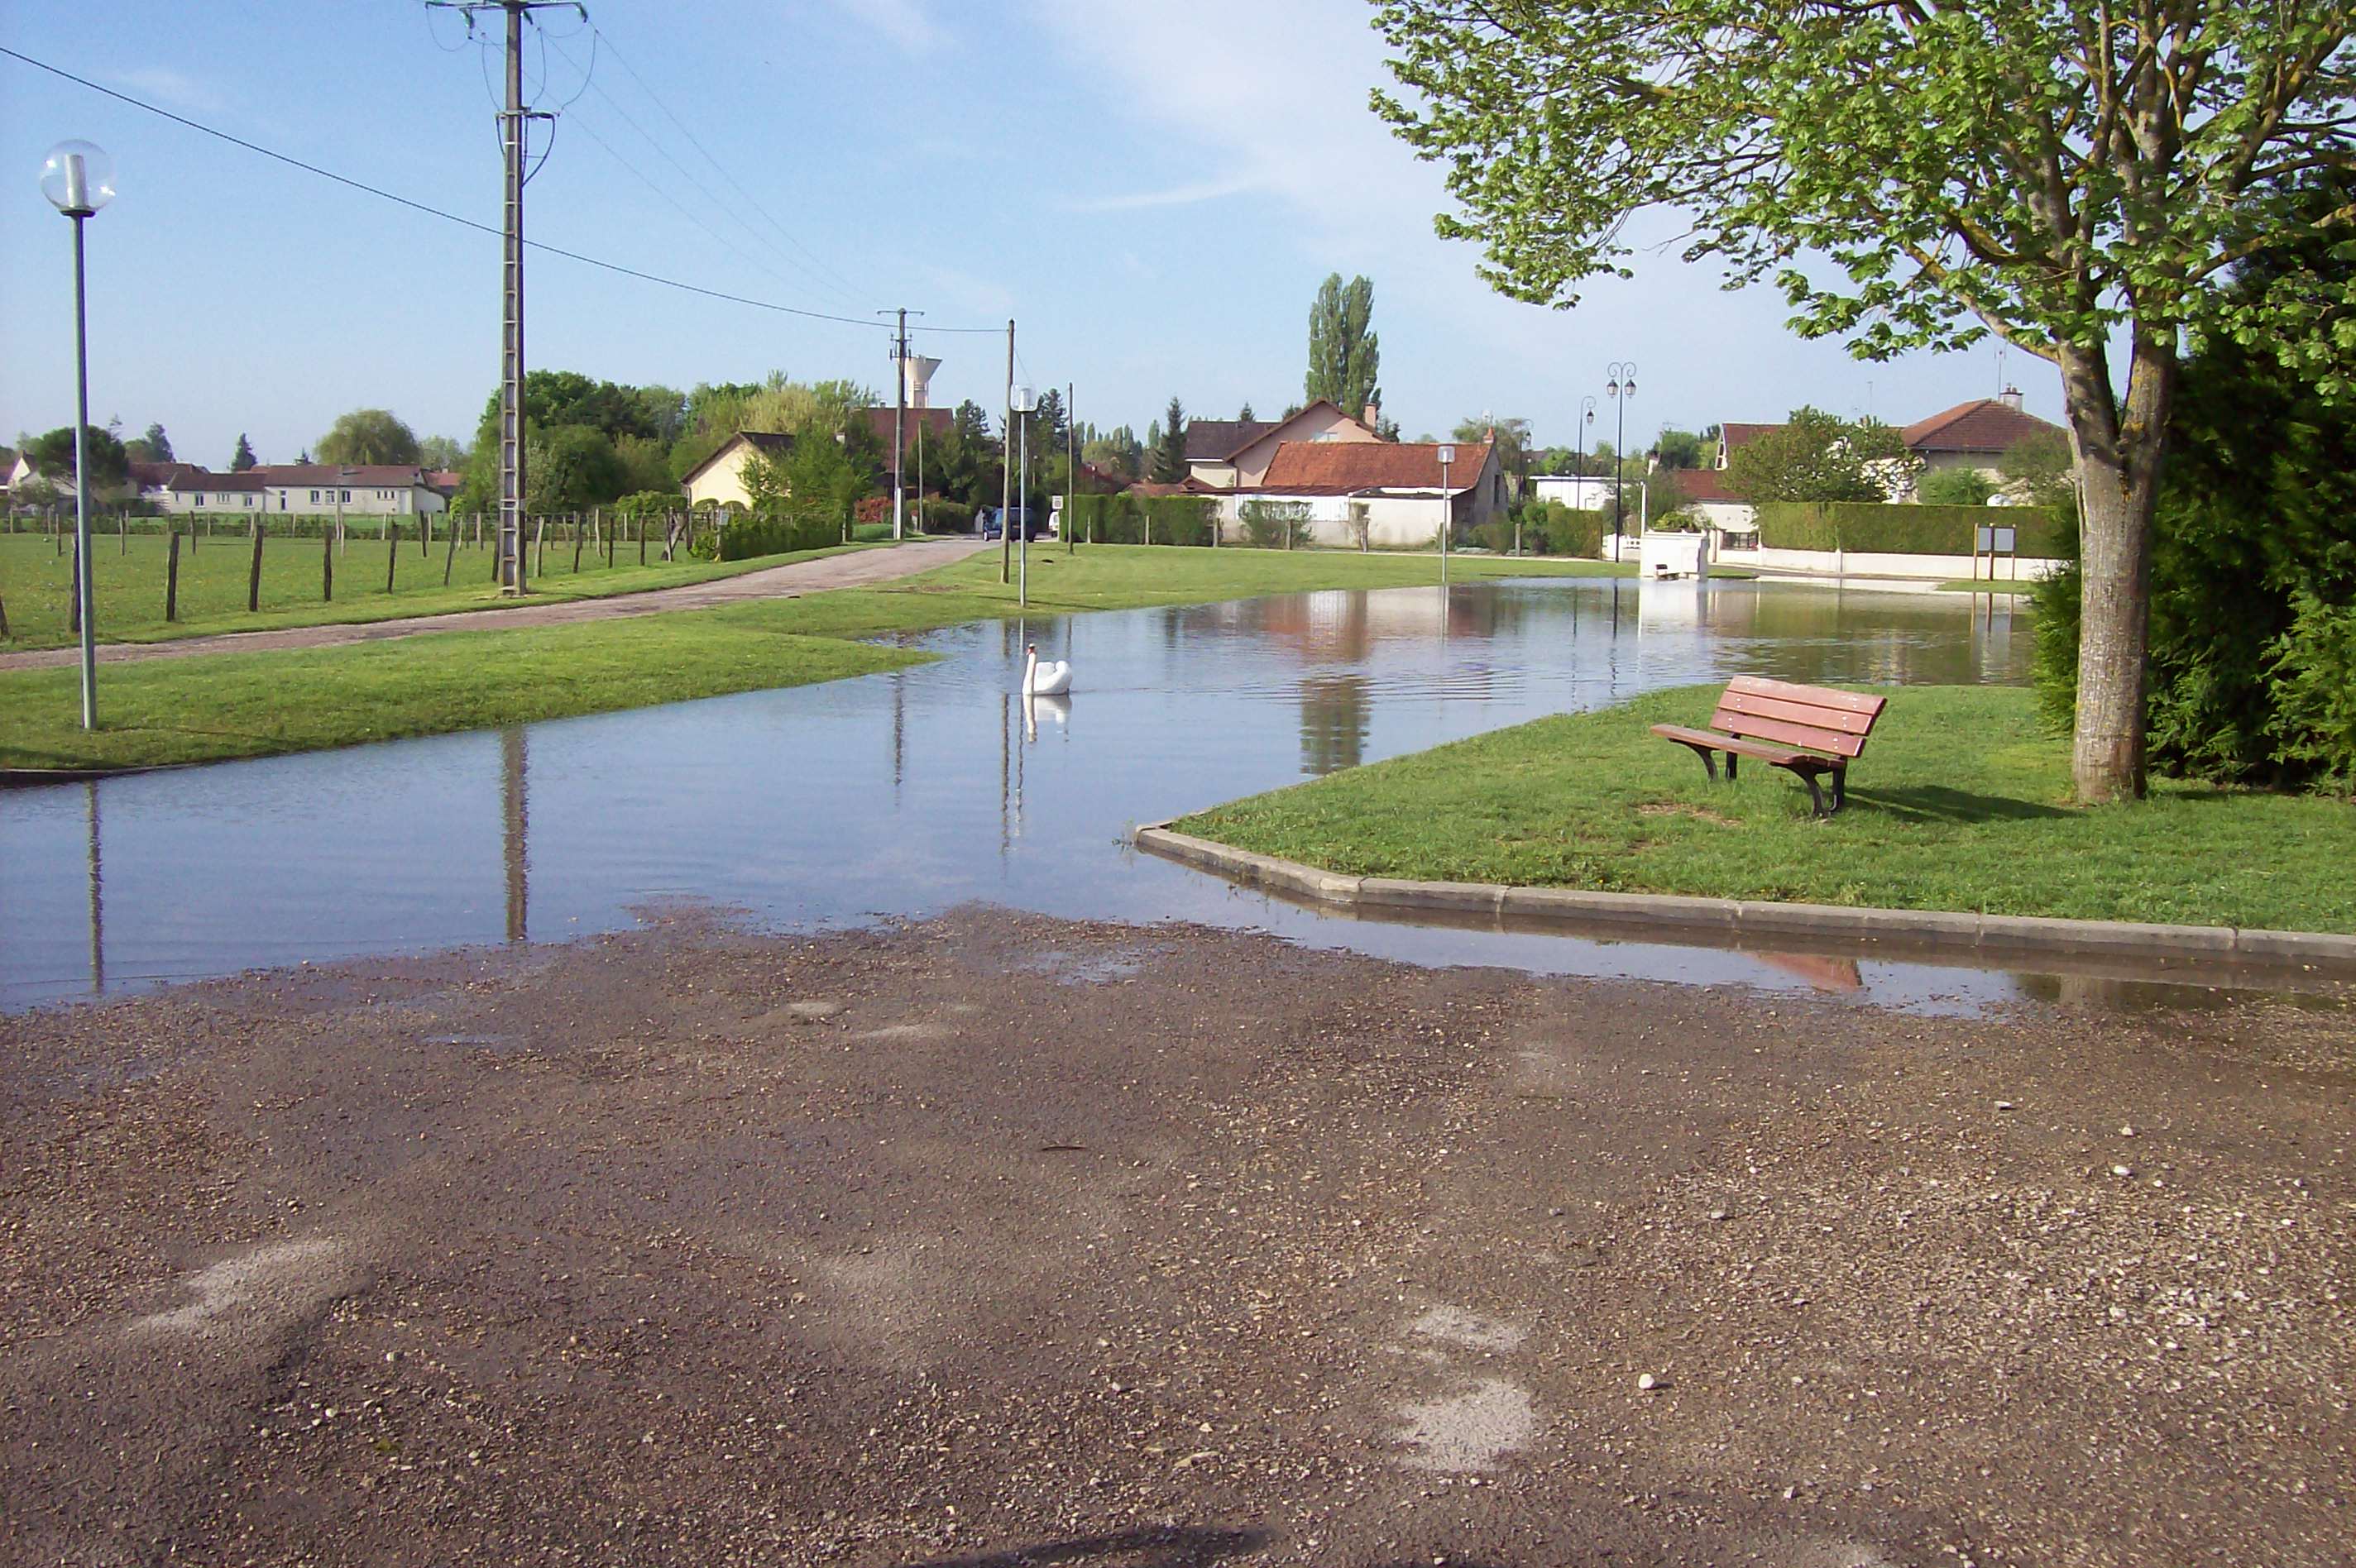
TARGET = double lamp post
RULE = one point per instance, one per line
(78, 180)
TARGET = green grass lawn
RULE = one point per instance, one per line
(218, 706)
(36, 583)
(1988, 585)
(1959, 803)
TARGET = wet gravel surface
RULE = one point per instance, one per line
(995, 1239)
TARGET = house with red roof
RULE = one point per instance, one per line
(1235, 454)
(1977, 434)
(1400, 491)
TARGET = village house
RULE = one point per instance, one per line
(1400, 492)
(1235, 454)
(719, 479)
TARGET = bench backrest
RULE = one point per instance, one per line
(1813, 717)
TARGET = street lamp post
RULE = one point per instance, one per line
(1620, 388)
(78, 180)
(1446, 509)
(1024, 401)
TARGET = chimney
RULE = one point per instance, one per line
(1374, 416)
(2010, 398)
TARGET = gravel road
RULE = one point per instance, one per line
(995, 1240)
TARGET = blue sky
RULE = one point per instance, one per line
(1154, 191)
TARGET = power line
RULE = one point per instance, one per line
(711, 195)
(751, 200)
(433, 211)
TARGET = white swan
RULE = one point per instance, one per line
(1050, 680)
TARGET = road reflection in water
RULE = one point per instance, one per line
(905, 793)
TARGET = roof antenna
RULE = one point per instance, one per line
(2000, 382)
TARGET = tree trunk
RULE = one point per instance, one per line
(2119, 458)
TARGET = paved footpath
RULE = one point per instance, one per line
(790, 581)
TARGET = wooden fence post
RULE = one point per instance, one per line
(328, 567)
(607, 533)
(540, 546)
(577, 533)
(253, 577)
(642, 538)
(122, 530)
(425, 535)
(171, 574)
(391, 551)
(73, 605)
(450, 553)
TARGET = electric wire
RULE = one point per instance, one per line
(717, 202)
(751, 201)
(449, 217)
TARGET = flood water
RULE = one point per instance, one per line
(904, 795)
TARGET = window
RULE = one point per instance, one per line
(315, 495)
(348, 494)
(249, 499)
(200, 499)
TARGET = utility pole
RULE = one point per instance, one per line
(1006, 468)
(512, 123)
(1071, 468)
(899, 414)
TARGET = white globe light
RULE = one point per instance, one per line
(78, 178)
(1026, 401)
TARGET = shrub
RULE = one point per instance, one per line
(1568, 531)
(2313, 668)
(1182, 519)
(946, 518)
(773, 533)
(1878, 529)
(1270, 525)
(1954, 487)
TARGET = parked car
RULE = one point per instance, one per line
(1030, 524)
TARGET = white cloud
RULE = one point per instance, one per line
(172, 88)
(905, 21)
(1175, 195)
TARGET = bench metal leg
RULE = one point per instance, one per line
(1840, 787)
(1710, 760)
(1731, 759)
(1815, 796)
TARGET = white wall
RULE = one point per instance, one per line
(1394, 522)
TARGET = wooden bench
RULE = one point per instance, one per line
(1809, 729)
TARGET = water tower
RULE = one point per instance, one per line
(916, 381)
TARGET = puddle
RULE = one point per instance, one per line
(902, 795)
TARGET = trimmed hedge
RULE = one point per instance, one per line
(775, 533)
(1885, 529)
(1142, 519)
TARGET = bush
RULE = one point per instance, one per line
(1567, 531)
(1495, 535)
(1954, 487)
(1275, 525)
(2313, 668)
(773, 533)
(945, 517)
(1128, 519)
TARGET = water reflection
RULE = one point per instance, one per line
(844, 801)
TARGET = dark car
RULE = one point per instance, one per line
(1030, 524)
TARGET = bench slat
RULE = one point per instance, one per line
(1808, 735)
(1780, 756)
(1814, 695)
(1846, 722)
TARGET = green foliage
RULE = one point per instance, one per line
(2312, 667)
(1565, 530)
(1276, 525)
(1954, 487)
(649, 504)
(367, 435)
(1679, 449)
(1882, 528)
(2040, 464)
(1345, 355)
(777, 533)
(52, 456)
(645, 463)
(242, 458)
(571, 469)
(944, 517)
(441, 452)
(1817, 456)
(1170, 456)
(153, 447)
(1126, 518)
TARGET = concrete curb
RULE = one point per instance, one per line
(1652, 914)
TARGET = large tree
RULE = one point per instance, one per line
(1817, 456)
(153, 447)
(242, 458)
(52, 456)
(2077, 177)
(1344, 356)
(369, 435)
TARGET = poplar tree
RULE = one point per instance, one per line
(1344, 355)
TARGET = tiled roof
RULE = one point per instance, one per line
(1702, 483)
(1190, 486)
(374, 476)
(1216, 441)
(151, 476)
(1984, 424)
(195, 479)
(1344, 467)
(1738, 435)
(934, 423)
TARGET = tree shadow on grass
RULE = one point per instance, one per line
(1937, 802)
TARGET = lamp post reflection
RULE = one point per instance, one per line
(97, 896)
(516, 831)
